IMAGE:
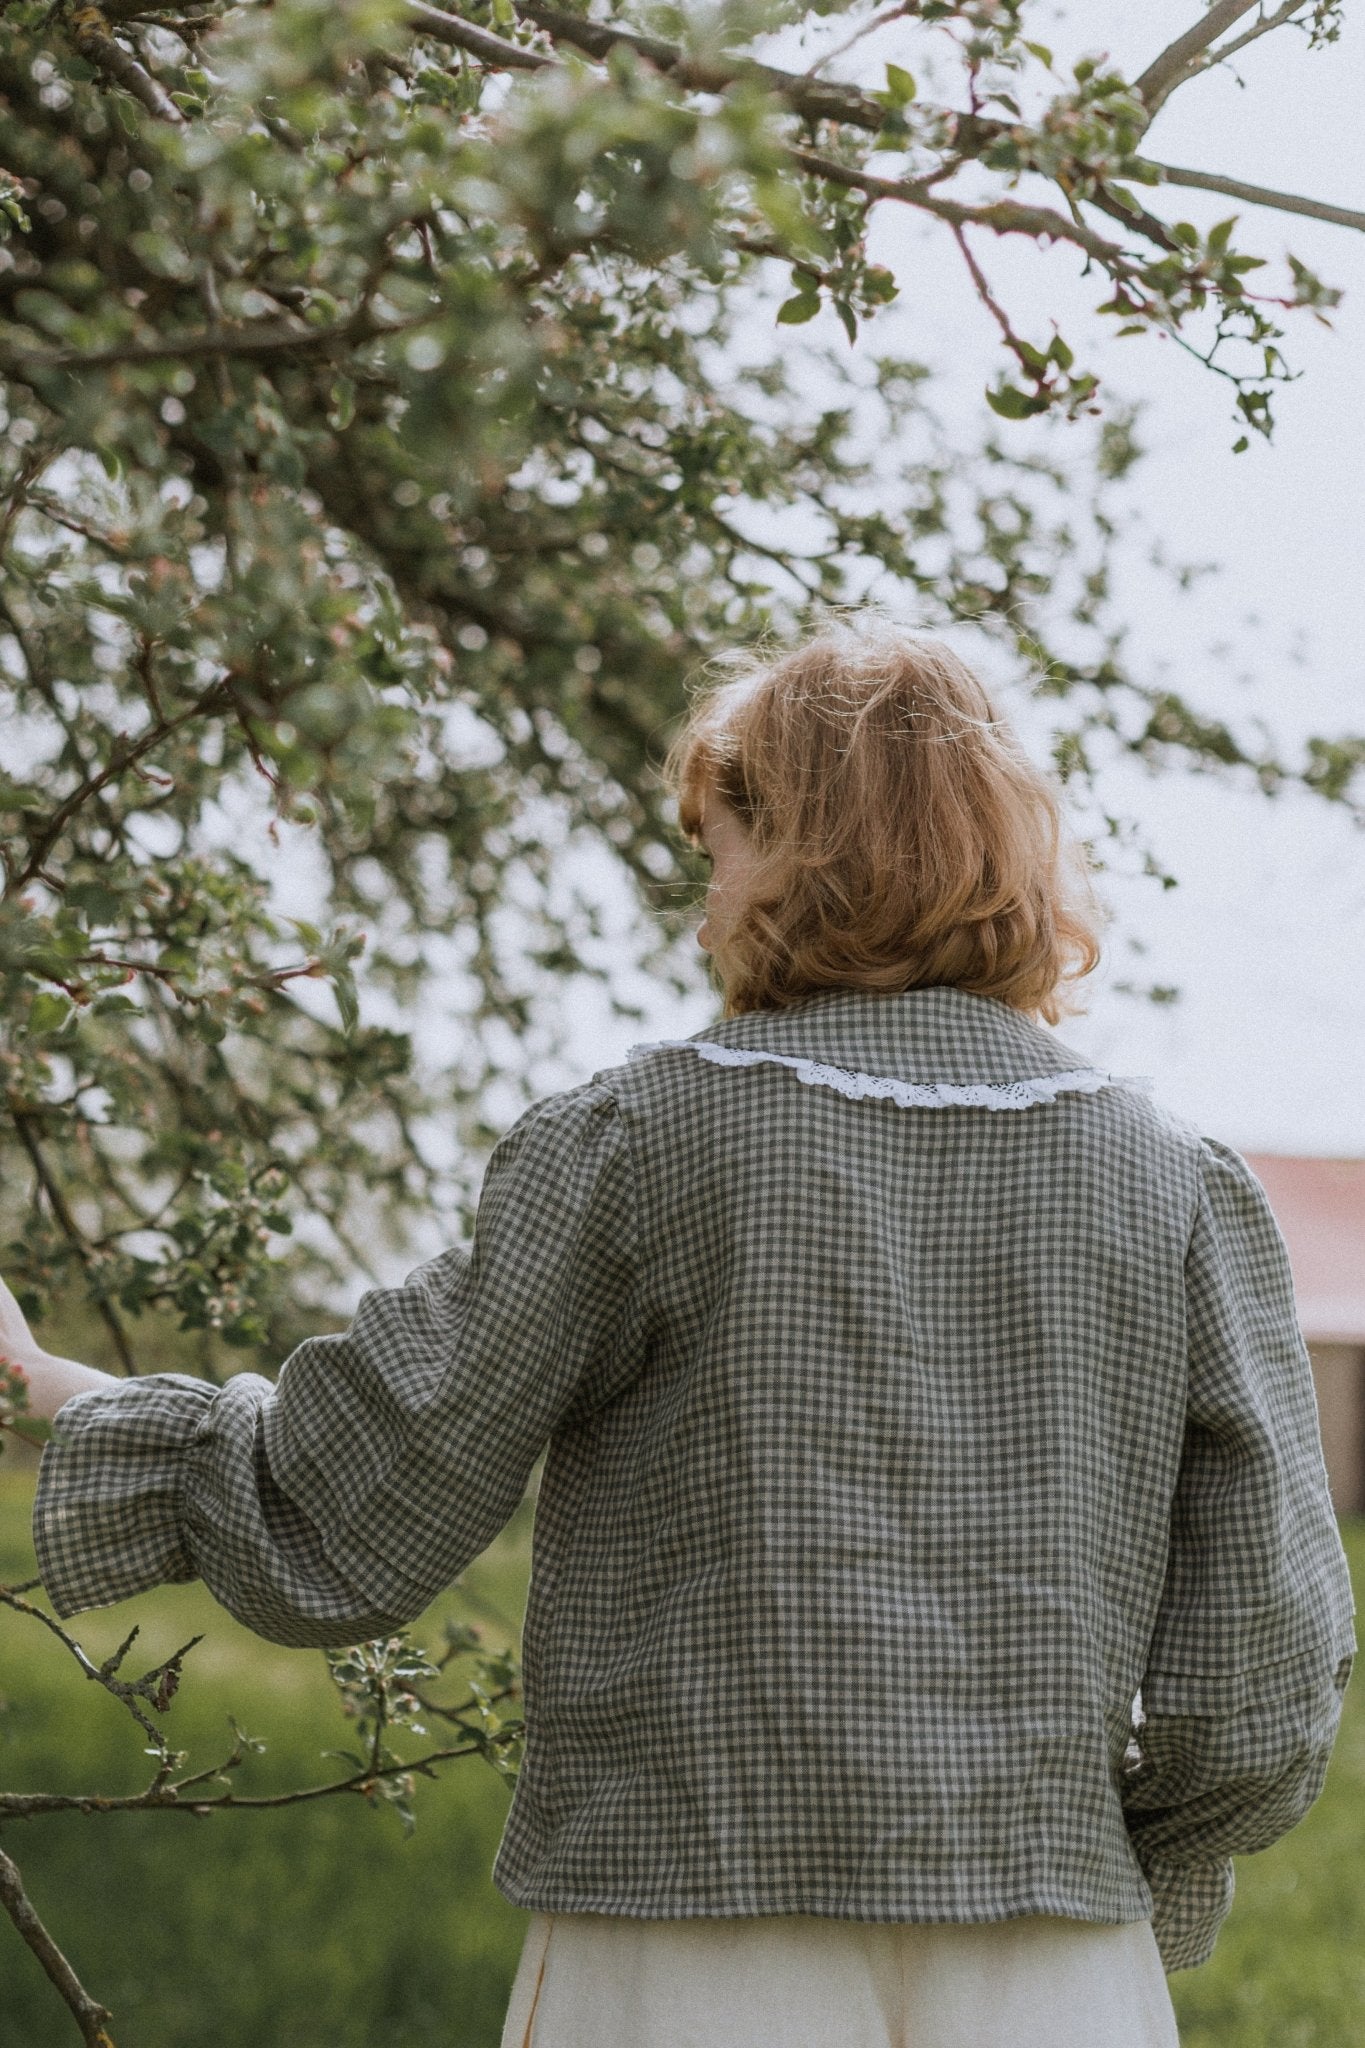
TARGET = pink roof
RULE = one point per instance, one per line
(1319, 1204)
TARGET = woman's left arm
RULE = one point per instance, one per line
(333, 1505)
(1254, 1640)
(50, 1381)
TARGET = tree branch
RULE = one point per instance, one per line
(1187, 54)
(74, 1236)
(822, 99)
(1001, 216)
(157, 1687)
(90, 2016)
(90, 32)
(1262, 195)
(165, 1793)
(816, 98)
(125, 756)
(265, 340)
(1258, 29)
(31, 1805)
(495, 51)
(1103, 198)
(983, 291)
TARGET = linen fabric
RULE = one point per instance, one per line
(891, 1451)
(588, 1981)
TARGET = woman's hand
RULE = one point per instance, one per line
(17, 1341)
(50, 1381)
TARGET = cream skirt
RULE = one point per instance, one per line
(593, 1980)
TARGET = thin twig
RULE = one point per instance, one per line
(1262, 195)
(61, 516)
(1001, 216)
(125, 756)
(889, 14)
(90, 2016)
(1257, 30)
(987, 297)
(157, 1686)
(32, 1805)
(1187, 54)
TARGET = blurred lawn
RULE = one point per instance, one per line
(322, 1927)
(319, 1926)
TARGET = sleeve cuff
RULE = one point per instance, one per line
(107, 1516)
(1190, 1902)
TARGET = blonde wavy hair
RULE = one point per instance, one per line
(901, 836)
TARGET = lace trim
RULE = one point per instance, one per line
(907, 1094)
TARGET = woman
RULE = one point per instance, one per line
(915, 1397)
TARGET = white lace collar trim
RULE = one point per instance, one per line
(858, 1087)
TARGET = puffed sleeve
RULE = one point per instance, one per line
(1253, 1641)
(334, 1504)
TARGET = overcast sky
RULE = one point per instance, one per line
(1266, 933)
(1265, 936)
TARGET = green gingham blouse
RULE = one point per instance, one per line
(915, 1398)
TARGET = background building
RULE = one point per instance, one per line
(1320, 1206)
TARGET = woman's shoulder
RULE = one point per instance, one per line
(921, 1050)
(938, 1047)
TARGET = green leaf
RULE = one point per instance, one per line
(343, 984)
(100, 904)
(1013, 404)
(848, 318)
(795, 312)
(342, 409)
(900, 85)
(48, 1013)
(19, 796)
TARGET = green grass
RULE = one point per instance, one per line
(323, 1927)
(1289, 1968)
(308, 1926)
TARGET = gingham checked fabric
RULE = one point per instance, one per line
(893, 1448)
